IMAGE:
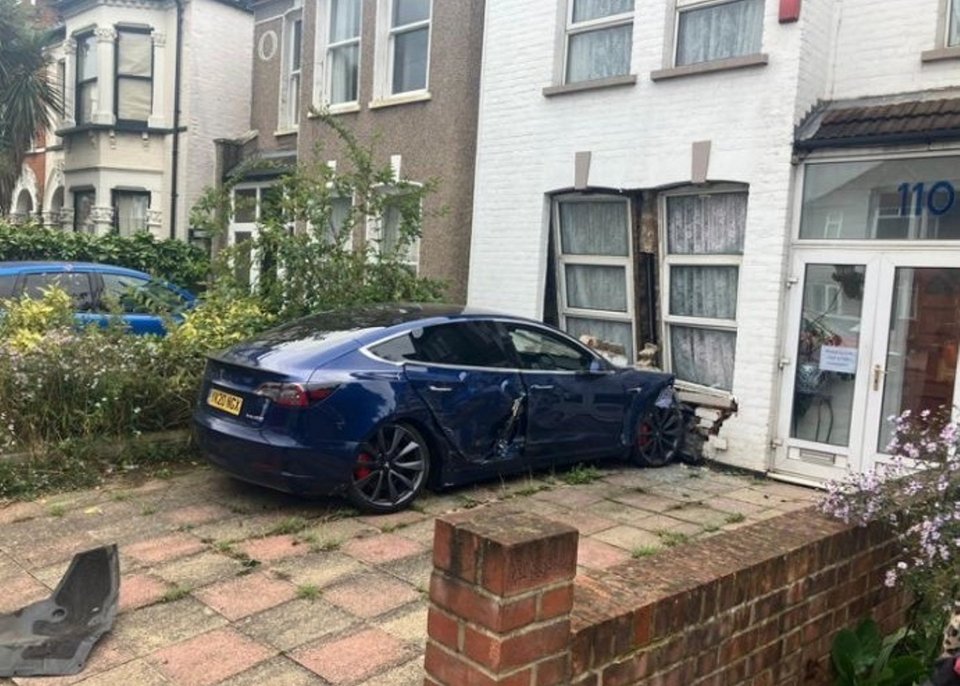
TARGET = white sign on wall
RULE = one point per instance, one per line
(836, 358)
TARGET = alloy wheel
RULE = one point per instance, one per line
(391, 469)
(658, 437)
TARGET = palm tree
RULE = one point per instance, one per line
(29, 97)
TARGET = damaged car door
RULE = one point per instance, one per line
(464, 374)
(576, 401)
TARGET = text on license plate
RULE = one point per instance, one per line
(225, 401)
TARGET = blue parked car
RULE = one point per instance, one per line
(99, 291)
(378, 403)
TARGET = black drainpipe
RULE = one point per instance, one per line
(176, 123)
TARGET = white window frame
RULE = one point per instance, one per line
(288, 118)
(322, 72)
(572, 29)
(383, 57)
(563, 260)
(669, 261)
(682, 6)
(374, 228)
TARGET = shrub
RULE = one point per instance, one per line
(175, 261)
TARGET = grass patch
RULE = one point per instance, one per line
(581, 475)
(308, 592)
(711, 528)
(644, 551)
(288, 526)
(672, 539)
(175, 593)
(57, 510)
(119, 496)
(326, 546)
(734, 518)
(148, 510)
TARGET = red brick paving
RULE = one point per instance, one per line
(273, 548)
(246, 595)
(140, 590)
(350, 659)
(382, 548)
(210, 657)
(21, 590)
(598, 555)
(366, 597)
(196, 515)
(163, 549)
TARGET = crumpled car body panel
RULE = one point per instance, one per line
(54, 637)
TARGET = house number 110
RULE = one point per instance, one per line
(939, 199)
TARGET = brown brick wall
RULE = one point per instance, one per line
(759, 605)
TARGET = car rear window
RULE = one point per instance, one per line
(76, 285)
(462, 344)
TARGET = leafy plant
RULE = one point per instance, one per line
(581, 475)
(862, 657)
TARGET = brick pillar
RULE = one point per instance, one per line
(500, 600)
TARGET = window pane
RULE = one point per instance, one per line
(410, 60)
(6, 286)
(245, 205)
(344, 19)
(584, 10)
(903, 199)
(596, 288)
(953, 38)
(704, 292)
(86, 97)
(703, 356)
(294, 100)
(131, 212)
(594, 228)
(134, 99)
(86, 58)
(134, 54)
(615, 333)
(537, 349)
(720, 31)
(82, 206)
(410, 11)
(471, 344)
(344, 63)
(295, 45)
(339, 216)
(706, 224)
(76, 285)
(398, 349)
(599, 54)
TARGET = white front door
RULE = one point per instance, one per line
(869, 337)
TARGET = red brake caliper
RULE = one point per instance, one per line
(644, 434)
(363, 471)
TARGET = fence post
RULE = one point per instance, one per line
(500, 600)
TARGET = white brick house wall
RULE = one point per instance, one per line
(640, 137)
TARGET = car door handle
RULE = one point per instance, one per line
(638, 389)
(439, 389)
(541, 387)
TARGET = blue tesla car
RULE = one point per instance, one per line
(100, 292)
(375, 404)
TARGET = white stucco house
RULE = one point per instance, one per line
(147, 85)
(766, 190)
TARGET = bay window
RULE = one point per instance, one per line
(703, 245)
(130, 211)
(83, 201)
(594, 269)
(134, 92)
(599, 39)
(712, 30)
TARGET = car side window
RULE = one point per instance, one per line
(7, 282)
(540, 350)
(75, 284)
(463, 344)
(123, 293)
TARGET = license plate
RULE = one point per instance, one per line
(225, 401)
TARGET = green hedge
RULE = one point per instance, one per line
(182, 264)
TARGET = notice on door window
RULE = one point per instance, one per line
(836, 358)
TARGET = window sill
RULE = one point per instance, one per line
(280, 133)
(729, 64)
(593, 84)
(704, 395)
(941, 54)
(402, 99)
(119, 127)
(342, 108)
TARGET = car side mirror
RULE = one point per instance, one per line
(596, 367)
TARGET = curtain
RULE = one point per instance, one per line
(954, 34)
(87, 96)
(410, 11)
(87, 58)
(344, 64)
(720, 31)
(594, 228)
(131, 212)
(596, 288)
(344, 20)
(619, 333)
(134, 54)
(599, 54)
(585, 10)
(134, 99)
(339, 215)
(703, 356)
(706, 224)
(410, 60)
(704, 292)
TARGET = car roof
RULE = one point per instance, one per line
(66, 266)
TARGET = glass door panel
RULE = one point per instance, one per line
(828, 354)
(921, 361)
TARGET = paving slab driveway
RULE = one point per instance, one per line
(226, 583)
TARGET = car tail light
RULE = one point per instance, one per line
(296, 394)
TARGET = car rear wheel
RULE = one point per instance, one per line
(658, 437)
(391, 470)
